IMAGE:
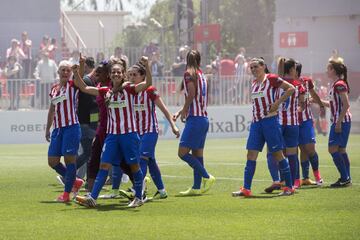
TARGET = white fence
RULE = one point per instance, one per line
(34, 94)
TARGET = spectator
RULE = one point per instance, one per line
(52, 48)
(100, 56)
(45, 73)
(118, 53)
(274, 64)
(179, 67)
(25, 46)
(156, 65)
(241, 53)
(227, 66)
(335, 56)
(12, 73)
(45, 42)
(148, 50)
(242, 83)
(15, 50)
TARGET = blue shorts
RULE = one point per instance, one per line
(290, 136)
(121, 146)
(306, 132)
(266, 130)
(65, 141)
(147, 144)
(340, 139)
(194, 133)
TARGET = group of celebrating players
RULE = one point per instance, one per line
(127, 131)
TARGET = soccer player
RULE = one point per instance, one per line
(340, 119)
(122, 140)
(66, 133)
(196, 121)
(308, 154)
(265, 126)
(145, 103)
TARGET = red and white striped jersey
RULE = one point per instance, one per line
(335, 101)
(145, 111)
(200, 101)
(121, 119)
(65, 100)
(289, 114)
(308, 85)
(263, 95)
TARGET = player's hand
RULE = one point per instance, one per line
(183, 115)
(176, 116)
(82, 59)
(274, 107)
(47, 136)
(176, 131)
(338, 127)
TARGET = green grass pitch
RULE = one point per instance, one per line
(28, 188)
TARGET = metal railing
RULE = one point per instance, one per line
(34, 94)
(68, 31)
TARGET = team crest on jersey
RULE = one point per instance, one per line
(58, 99)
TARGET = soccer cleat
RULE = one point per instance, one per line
(320, 182)
(340, 183)
(190, 192)
(60, 180)
(160, 195)
(86, 201)
(287, 191)
(273, 187)
(243, 192)
(129, 194)
(64, 198)
(76, 187)
(307, 181)
(297, 183)
(136, 203)
(207, 183)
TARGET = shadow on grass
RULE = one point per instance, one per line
(54, 202)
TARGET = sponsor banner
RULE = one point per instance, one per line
(29, 126)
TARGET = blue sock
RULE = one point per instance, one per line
(305, 165)
(347, 163)
(195, 164)
(249, 173)
(273, 167)
(314, 161)
(285, 172)
(60, 169)
(70, 176)
(340, 165)
(144, 166)
(99, 182)
(297, 175)
(293, 166)
(197, 176)
(116, 176)
(138, 183)
(155, 174)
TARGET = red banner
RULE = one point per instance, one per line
(293, 39)
(207, 32)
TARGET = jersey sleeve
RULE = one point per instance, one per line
(153, 93)
(340, 87)
(130, 88)
(301, 88)
(103, 91)
(275, 80)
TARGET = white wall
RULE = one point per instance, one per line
(88, 27)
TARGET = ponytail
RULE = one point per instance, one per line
(340, 70)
